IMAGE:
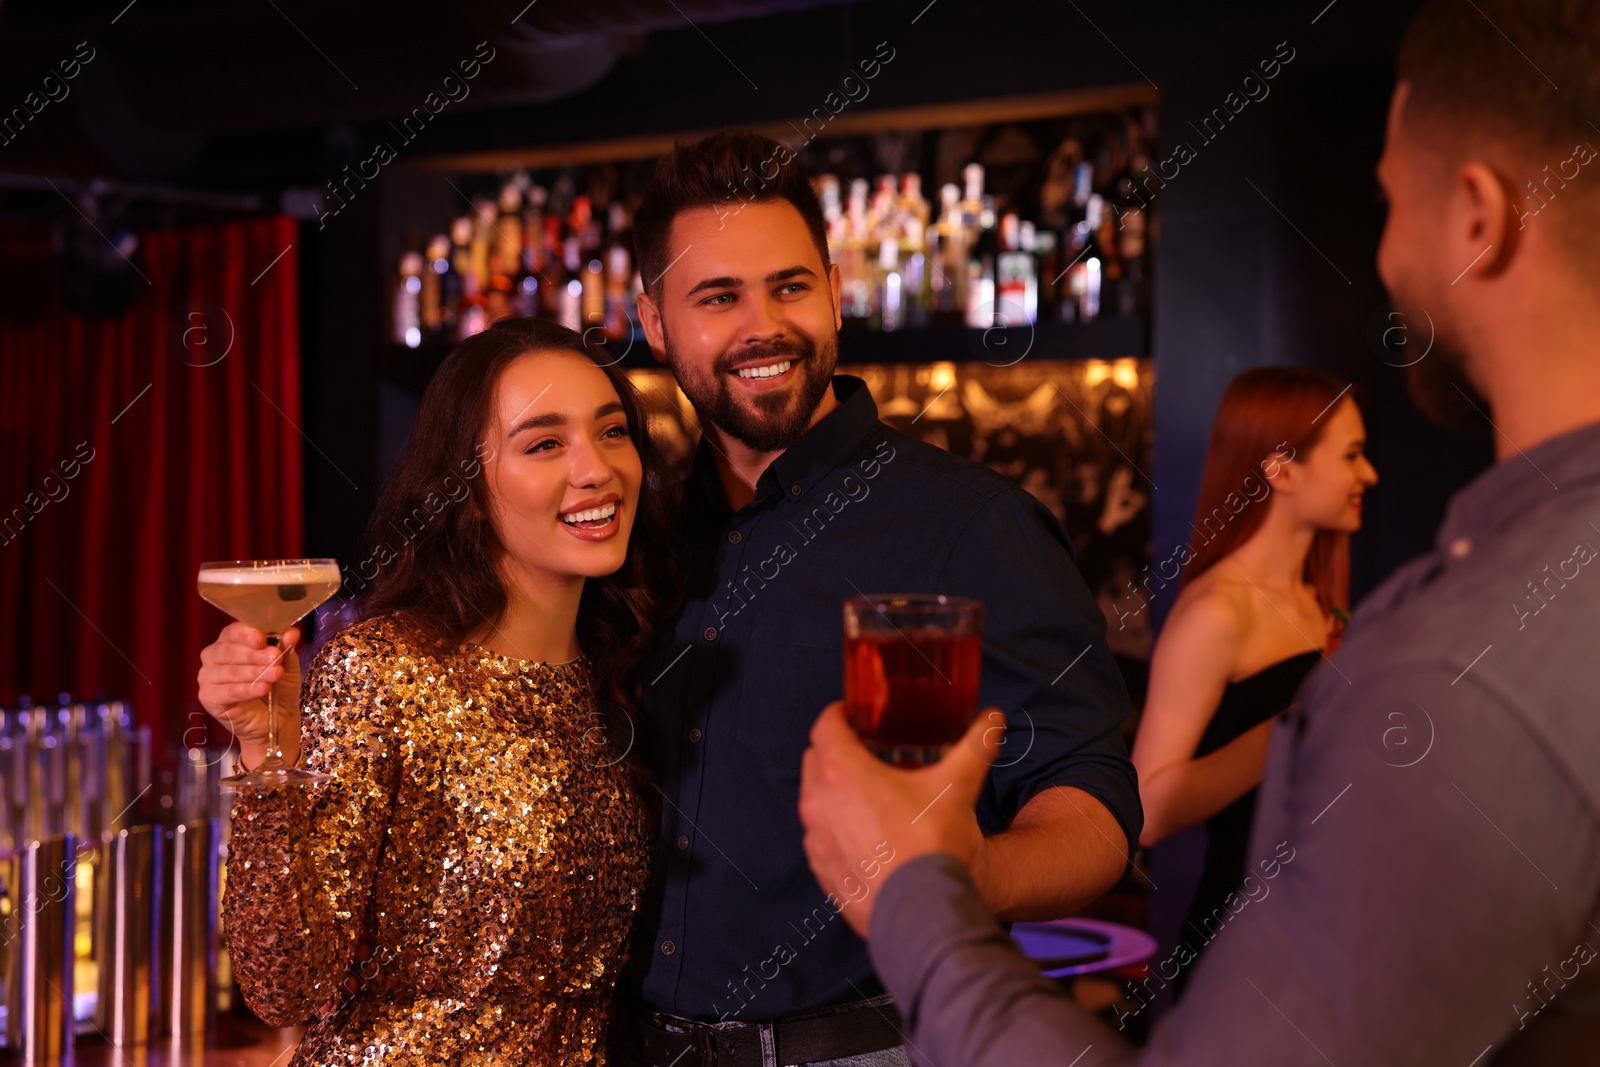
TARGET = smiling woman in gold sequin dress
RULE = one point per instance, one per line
(486, 831)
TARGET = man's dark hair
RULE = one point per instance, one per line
(724, 171)
(1525, 71)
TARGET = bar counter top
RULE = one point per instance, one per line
(235, 1041)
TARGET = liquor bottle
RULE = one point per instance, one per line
(856, 284)
(980, 297)
(951, 274)
(497, 297)
(505, 254)
(408, 301)
(980, 312)
(978, 291)
(939, 302)
(890, 287)
(1060, 177)
(555, 283)
(1083, 279)
(1083, 183)
(1048, 259)
(883, 214)
(437, 299)
(471, 314)
(524, 282)
(461, 257)
(1016, 280)
(1068, 278)
(912, 216)
(572, 245)
(475, 317)
(533, 253)
(1111, 272)
(913, 204)
(593, 309)
(1132, 225)
(483, 239)
(583, 261)
(827, 188)
(570, 312)
(837, 225)
(619, 226)
(525, 295)
(619, 315)
(970, 210)
(508, 228)
(915, 296)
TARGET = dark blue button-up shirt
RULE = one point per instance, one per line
(737, 928)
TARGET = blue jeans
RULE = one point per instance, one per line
(889, 1057)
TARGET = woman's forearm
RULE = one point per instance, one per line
(302, 862)
(1186, 794)
(284, 973)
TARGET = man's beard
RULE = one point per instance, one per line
(778, 420)
(1439, 386)
(1438, 382)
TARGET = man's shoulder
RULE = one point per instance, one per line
(967, 479)
(1531, 590)
(1509, 631)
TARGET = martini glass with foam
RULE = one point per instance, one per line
(270, 595)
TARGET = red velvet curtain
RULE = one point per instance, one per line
(133, 449)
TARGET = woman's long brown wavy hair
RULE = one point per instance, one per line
(1265, 414)
(442, 582)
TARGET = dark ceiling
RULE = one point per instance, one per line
(157, 82)
(255, 96)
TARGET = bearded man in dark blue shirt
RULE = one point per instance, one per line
(800, 497)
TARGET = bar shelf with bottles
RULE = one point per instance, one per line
(1053, 259)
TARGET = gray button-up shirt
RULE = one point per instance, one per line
(1424, 876)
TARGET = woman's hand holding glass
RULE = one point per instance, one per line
(236, 672)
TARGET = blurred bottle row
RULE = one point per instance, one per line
(109, 906)
(1070, 242)
(71, 768)
(904, 264)
(540, 252)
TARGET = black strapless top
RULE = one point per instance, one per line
(1245, 704)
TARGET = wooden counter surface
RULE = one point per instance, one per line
(236, 1041)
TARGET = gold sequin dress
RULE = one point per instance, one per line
(479, 834)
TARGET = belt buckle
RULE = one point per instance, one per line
(705, 1045)
(705, 1038)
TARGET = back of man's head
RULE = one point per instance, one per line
(1515, 84)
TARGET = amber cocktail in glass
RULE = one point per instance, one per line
(911, 665)
(270, 595)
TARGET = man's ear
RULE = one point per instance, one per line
(1482, 226)
(650, 319)
(835, 284)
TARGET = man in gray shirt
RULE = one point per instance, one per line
(1425, 865)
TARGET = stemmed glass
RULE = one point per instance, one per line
(270, 595)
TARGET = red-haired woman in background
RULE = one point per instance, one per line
(1262, 599)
